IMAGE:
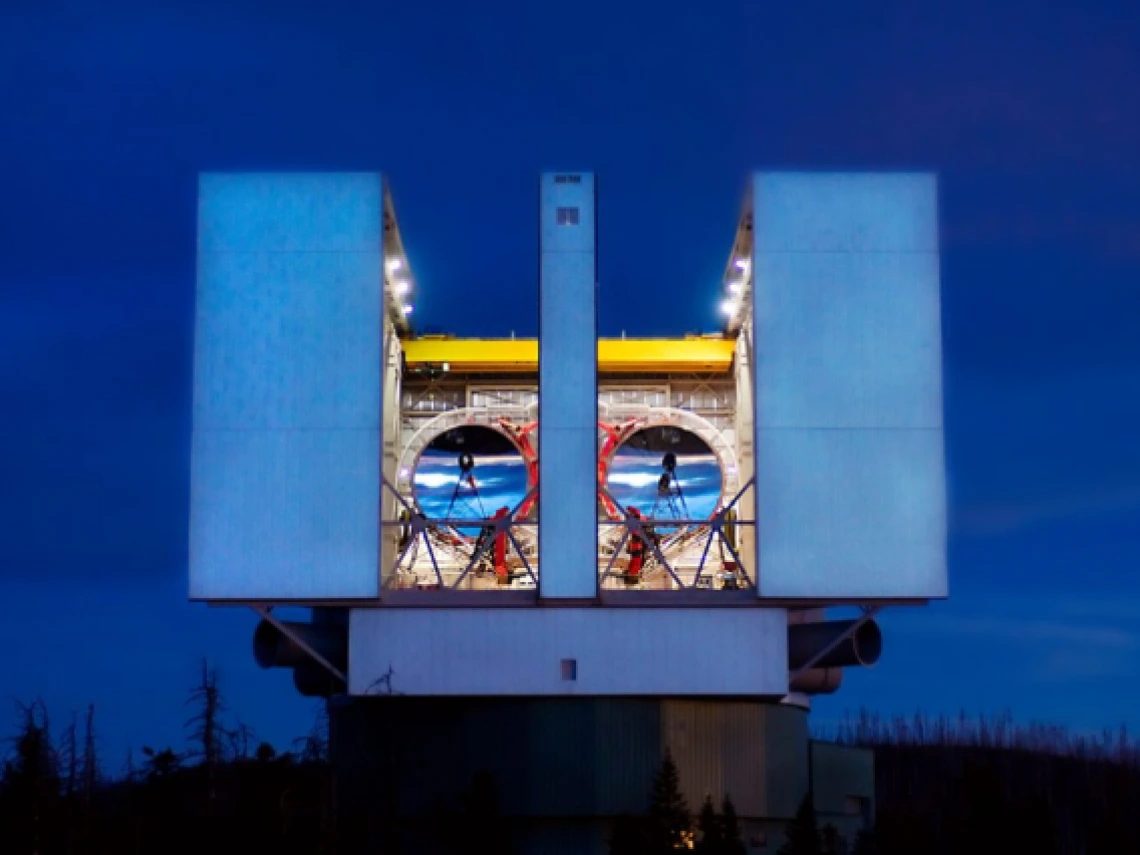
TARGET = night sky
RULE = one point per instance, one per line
(1029, 112)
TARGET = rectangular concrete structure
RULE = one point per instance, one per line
(285, 472)
(568, 388)
(848, 387)
(519, 651)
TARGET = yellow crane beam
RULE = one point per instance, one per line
(615, 356)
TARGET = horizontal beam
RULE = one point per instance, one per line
(615, 356)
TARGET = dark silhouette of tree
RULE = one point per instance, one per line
(207, 733)
(313, 747)
(30, 785)
(866, 843)
(90, 768)
(69, 758)
(903, 833)
(709, 824)
(1035, 828)
(720, 833)
(829, 840)
(630, 836)
(240, 737)
(981, 821)
(89, 773)
(670, 824)
(802, 832)
(130, 772)
(730, 828)
(995, 795)
(161, 763)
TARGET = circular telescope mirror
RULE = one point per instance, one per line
(667, 473)
(468, 472)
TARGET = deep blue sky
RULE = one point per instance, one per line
(1030, 112)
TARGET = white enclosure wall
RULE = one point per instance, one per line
(285, 481)
(848, 386)
(569, 651)
(568, 389)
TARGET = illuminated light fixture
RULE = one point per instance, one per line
(403, 286)
(742, 263)
(404, 473)
(729, 307)
(395, 264)
(407, 310)
(447, 366)
(736, 286)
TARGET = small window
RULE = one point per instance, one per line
(567, 217)
(569, 669)
(567, 179)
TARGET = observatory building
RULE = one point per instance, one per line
(551, 560)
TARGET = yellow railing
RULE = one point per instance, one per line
(615, 356)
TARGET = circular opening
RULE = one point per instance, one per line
(666, 473)
(868, 643)
(469, 473)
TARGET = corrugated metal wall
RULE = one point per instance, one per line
(574, 757)
(720, 749)
(565, 767)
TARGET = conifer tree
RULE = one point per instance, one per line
(670, 825)
(802, 832)
(709, 825)
(30, 784)
(730, 828)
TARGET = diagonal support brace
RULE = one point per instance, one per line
(267, 614)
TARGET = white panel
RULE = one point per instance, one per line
(859, 512)
(287, 388)
(284, 514)
(280, 339)
(845, 212)
(568, 403)
(272, 212)
(849, 340)
(848, 387)
(660, 652)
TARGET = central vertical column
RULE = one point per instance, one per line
(568, 388)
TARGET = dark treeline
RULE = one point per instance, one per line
(943, 786)
(988, 785)
(224, 792)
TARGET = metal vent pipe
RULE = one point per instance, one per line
(862, 647)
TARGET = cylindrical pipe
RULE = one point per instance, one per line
(274, 649)
(817, 681)
(861, 647)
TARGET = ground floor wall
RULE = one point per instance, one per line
(554, 773)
